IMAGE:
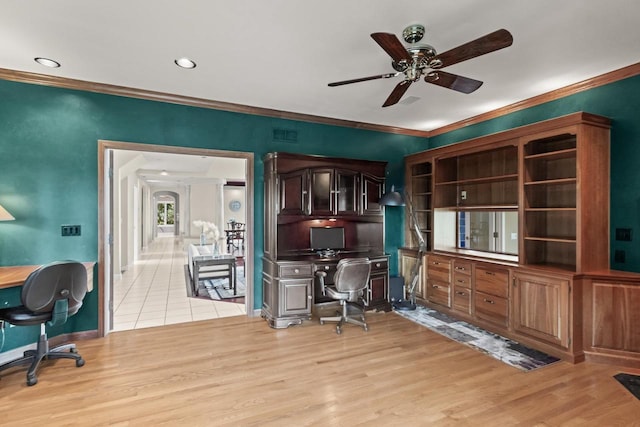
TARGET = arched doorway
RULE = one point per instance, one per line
(166, 213)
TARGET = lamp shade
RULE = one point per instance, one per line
(392, 198)
(4, 215)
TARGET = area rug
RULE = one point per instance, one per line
(630, 382)
(510, 352)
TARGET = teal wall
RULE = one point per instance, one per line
(619, 101)
(49, 168)
(48, 165)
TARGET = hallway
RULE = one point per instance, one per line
(153, 292)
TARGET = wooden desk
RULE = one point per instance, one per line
(16, 275)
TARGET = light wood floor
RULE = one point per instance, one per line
(239, 372)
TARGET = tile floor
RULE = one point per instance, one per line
(153, 292)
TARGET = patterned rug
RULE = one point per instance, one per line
(630, 382)
(496, 346)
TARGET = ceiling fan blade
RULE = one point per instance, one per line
(397, 93)
(452, 81)
(392, 46)
(363, 79)
(491, 42)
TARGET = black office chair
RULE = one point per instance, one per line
(49, 296)
(350, 280)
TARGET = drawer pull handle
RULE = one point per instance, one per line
(460, 293)
(296, 270)
(326, 267)
(460, 281)
(460, 268)
(488, 301)
(436, 263)
(377, 265)
(435, 286)
(490, 273)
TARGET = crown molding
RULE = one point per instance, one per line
(603, 79)
(61, 82)
(54, 81)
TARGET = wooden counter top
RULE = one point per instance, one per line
(16, 275)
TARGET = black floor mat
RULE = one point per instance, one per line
(630, 382)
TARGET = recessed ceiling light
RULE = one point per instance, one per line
(185, 63)
(164, 173)
(47, 62)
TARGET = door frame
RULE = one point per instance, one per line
(105, 220)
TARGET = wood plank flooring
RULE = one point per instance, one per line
(239, 372)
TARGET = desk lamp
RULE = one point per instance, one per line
(394, 198)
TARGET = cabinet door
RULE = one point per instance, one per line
(346, 192)
(541, 308)
(615, 322)
(294, 193)
(295, 296)
(371, 194)
(377, 290)
(322, 192)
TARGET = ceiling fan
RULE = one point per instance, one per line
(420, 60)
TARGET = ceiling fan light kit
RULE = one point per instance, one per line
(416, 61)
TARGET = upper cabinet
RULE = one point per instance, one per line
(321, 189)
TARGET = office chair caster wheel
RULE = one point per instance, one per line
(322, 322)
(32, 381)
(73, 350)
(79, 363)
(366, 328)
(338, 330)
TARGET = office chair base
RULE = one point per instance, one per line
(42, 351)
(343, 318)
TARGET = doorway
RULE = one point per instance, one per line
(145, 201)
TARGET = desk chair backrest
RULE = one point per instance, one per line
(58, 287)
(352, 275)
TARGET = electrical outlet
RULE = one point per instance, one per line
(623, 234)
(463, 195)
(71, 230)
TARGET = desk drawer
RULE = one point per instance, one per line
(492, 281)
(462, 280)
(462, 267)
(380, 264)
(462, 299)
(439, 269)
(295, 270)
(491, 307)
(438, 292)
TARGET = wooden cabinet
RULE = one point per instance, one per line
(612, 318)
(294, 193)
(377, 294)
(303, 193)
(541, 307)
(462, 285)
(491, 298)
(487, 178)
(372, 188)
(565, 208)
(287, 289)
(419, 182)
(439, 280)
(407, 262)
(334, 192)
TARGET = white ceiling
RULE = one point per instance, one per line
(280, 54)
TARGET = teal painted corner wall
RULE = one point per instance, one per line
(49, 168)
(620, 102)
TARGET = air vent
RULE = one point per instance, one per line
(285, 135)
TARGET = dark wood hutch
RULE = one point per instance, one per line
(302, 192)
(556, 293)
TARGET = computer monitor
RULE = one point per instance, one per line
(327, 238)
